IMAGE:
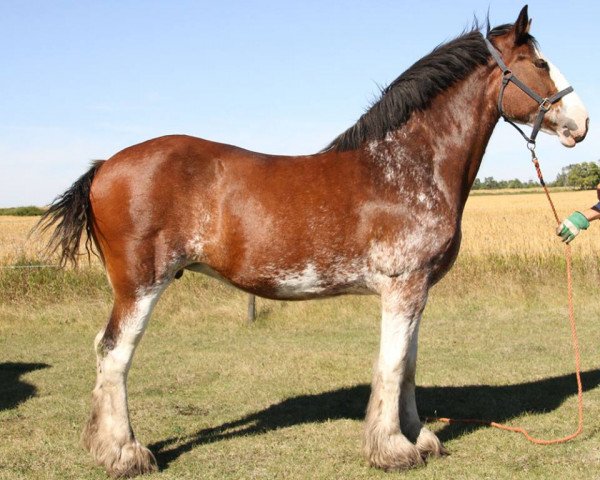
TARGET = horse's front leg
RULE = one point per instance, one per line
(426, 441)
(391, 413)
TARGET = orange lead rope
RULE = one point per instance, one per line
(574, 341)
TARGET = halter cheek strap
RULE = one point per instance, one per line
(544, 104)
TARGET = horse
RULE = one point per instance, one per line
(377, 211)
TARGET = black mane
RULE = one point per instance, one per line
(416, 87)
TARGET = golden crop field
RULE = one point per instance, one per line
(516, 225)
(14, 244)
(522, 225)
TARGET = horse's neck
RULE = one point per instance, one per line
(442, 146)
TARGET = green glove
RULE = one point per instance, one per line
(571, 226)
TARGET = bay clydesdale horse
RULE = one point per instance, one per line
(378, 211)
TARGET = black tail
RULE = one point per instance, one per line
(71, 213)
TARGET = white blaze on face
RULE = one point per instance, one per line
(570, 115)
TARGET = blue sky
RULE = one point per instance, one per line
(81, 80)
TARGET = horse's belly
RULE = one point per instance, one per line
(305, 283)
(311, 282)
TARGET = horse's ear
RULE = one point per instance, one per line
(521, 27)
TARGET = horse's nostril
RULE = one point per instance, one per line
(579, 138)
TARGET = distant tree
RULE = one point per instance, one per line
(514, 183)
(561, 179)
(489, 183)
(584, 175)
(531, 184)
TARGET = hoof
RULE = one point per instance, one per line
(120, 459)
(393, 453)
(429, 445)
(134, 460)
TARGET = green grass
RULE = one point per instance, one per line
(285, 397)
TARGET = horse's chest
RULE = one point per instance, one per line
(413, 247)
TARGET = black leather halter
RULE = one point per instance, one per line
(544, 103)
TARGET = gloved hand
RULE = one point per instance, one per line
(571, 226)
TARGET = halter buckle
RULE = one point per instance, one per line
(545, 105)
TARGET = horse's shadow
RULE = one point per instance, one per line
(497, 403)
(13, 390)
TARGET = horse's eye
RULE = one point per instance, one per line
(541, 63)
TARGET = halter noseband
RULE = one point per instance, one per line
(544, 104)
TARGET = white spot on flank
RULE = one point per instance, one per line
(195, 245)
(305, 281)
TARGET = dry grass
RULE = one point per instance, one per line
(14, 244)
(18, 247)
(285, 397)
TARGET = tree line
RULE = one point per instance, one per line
(579, 176)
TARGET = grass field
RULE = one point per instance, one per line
(285, 397)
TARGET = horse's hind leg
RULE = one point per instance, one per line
(108, 434)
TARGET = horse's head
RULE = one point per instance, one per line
(567, 117)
